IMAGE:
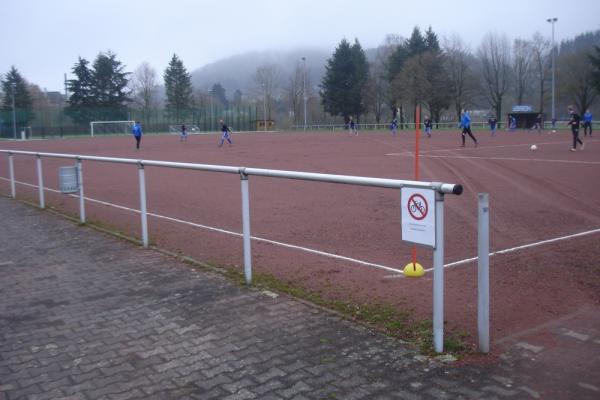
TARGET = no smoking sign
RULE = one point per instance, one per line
(418, 216)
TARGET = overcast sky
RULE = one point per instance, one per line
(43, 38)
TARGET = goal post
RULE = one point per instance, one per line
(110, 127)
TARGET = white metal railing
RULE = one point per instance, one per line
(440, 190)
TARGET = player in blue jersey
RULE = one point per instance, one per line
(394, 126)
(587, 123)
(226, 131)
(465, 124)
(137, 133)
(352, 127)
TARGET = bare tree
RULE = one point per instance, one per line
(267, 78)
(575, 77)
(540, 51)
(522, 67)
(295, 88)
(494, 57)
(144, 88)
(459, 72)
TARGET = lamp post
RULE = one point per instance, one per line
(210, 92)
(13, 87)
(265, 105)
(553, 21)
(304, 87)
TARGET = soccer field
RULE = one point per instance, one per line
(343, 242)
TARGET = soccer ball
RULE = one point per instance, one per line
(533, 147)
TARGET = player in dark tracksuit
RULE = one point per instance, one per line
(428, 125)
(492, 122)
(226, 131)
(574, 124)
(465, 124)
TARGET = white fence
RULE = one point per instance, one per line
(439, 188)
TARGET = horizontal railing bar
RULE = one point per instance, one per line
(447, 188)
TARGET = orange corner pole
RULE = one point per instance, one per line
(418, 134)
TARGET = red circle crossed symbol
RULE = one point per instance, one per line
(417, 206)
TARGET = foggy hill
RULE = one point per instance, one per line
(237, 72)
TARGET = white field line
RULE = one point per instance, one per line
(258, 239)
(515, 159)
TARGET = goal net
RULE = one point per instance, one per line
(176, 129)
(111, 127)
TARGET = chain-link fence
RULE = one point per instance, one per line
(54, 122)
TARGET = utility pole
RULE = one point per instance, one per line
(553, 21)
(265, 105)
(304, 88)
(13, 86)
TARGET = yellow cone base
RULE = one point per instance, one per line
(414, 270)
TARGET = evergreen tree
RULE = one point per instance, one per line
(218, 94)
(595, 59)
(109, 87)
(13, 81)
(431, 40)
(416, 44)
(178, 86)
(346, 75)
(81, 102)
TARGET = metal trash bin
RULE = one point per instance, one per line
(67, 179)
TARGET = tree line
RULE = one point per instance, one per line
(442, 76)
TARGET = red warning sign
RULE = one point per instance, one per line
(417, 206)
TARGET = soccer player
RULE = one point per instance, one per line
(587, 123)
(137, 133)
(465, 124)
(493, 122)
(428, 124)
(352, 127)
(394, 126)
(184, 134)
(538, 123)
(574, 123)
(226, 131)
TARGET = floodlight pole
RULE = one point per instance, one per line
(304, 88)
(211, 108)
(553, 21)
(265, 105)
(13, 87)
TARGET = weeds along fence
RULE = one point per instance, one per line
(439, 189)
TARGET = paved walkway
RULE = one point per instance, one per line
(84, 315)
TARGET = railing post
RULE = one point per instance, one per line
(143, 211)
(438, 275)
(81, 198)
(40, 181)
(246, 227)
(483, 273)
(11, 171)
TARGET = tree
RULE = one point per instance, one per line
(237, 98)
(144, 88)
(178, 87)
(494, 57)
(109, 88)
(416, 44)
(346, 74)
(522, 65)
(219, 96)
(460, 74)
(595, 59)
(14, 84)
(267, 79)
(81, 100)
(377, 94)
(540, 50)
(576, 79)
(295, 90)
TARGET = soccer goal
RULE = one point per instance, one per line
(111, 127)
(176, 129)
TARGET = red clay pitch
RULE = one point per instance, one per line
(534, 196)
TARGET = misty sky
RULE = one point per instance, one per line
(43, 38)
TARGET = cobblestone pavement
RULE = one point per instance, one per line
(84, 315)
